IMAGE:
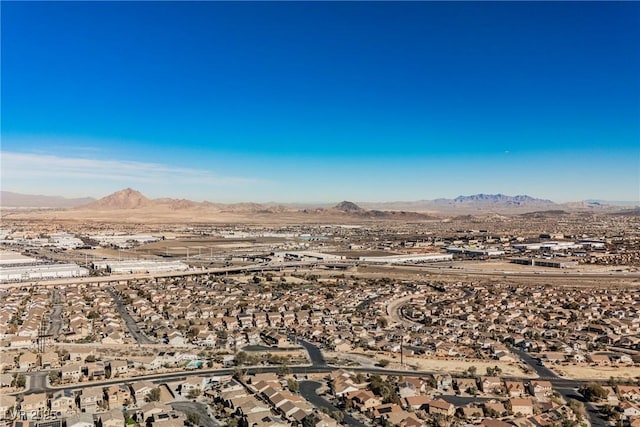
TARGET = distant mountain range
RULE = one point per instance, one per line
(9, 199)
(132, 200)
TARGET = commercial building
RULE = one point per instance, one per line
(11, 258)
(553, 263)
(139, 266)
(41, 272)
(476, 252)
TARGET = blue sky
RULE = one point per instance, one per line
(322, 101)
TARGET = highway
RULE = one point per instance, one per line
(428, 269)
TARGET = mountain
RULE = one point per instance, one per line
(501, 199)
(476, 203)
(129, 205)
(123, 199)
(348, 207)
(9, 199)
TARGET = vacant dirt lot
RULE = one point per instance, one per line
(597, 373)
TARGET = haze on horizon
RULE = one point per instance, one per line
(321, 101)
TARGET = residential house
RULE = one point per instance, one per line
(80, 420)
(50, 360)
(119, 368)
(514, 388)
(467, 385)
(27, 361)
(192, 385)
(630, 410)
(90, 399)
(7, 406)
(118, 395)
(363, 400)
(443, 382)
(631, 392)
(141, 390)
(111, 418)
(71, 372)
(416, 403)
(521, 406)
(490, 384)
(34, 405)
(63, 402)
(540, 388)
(441, 407)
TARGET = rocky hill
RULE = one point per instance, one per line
(123, 199)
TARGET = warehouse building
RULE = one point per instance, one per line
(41, 272)
(11, 258)
(139, 266)
(553, 263)
(476, 252)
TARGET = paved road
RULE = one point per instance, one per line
(568, 388)
(315, 354)
(38, 382)
(131, 324)
(308, 390)
(55, 326)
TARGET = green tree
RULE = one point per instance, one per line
(20, 381)
(577, 408)
(154, 395)
(293, 385)
(194, 393)
(593, 392)
(193, 418)
(241, 358)
(383, 363)
(54, 376)
(337, 415)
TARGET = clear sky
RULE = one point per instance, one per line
(322, 101)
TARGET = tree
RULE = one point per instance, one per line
(193, 418)
(577, 408)
(593, 392)
(293, 385)
(193, 393)
(21, 381)
(337, 415)
(241, 358)
(383, 363)
(472, 370)
(154, 395)
(54, 376)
